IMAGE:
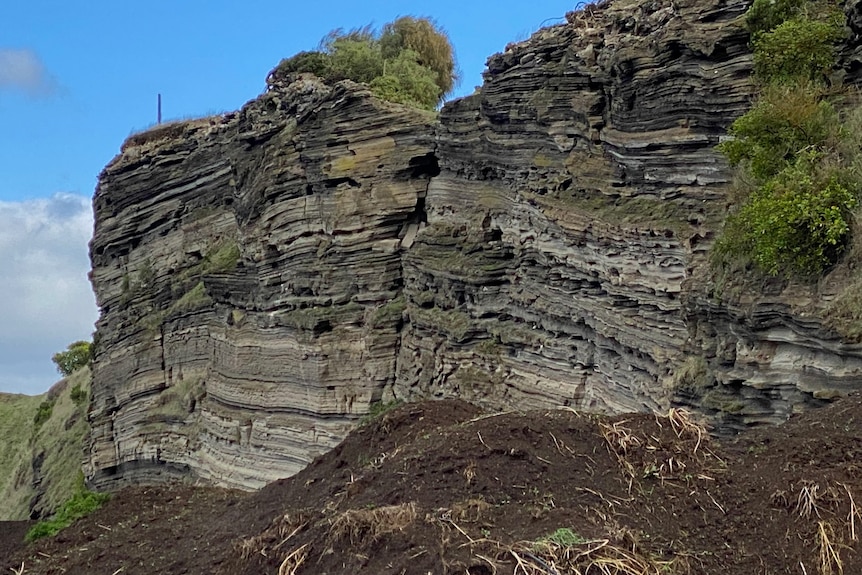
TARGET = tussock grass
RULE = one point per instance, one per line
(594, 557)
(275, 537)
(829, 558)
(16, 428)
(362, 527)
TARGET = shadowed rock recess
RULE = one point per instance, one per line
(264, 276)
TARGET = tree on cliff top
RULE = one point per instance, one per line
(76, 356)
(430, 43)
(410, 61)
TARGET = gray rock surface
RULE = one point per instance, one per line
(266, 275)
(248, 272)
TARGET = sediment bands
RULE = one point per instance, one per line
(265, 275)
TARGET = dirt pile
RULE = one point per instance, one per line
(438, 487)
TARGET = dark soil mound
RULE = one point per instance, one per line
(12, 537)
(437, 487)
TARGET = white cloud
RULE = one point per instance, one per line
(21, 69)
(45, 297)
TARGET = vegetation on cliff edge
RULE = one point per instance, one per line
(799, 156)
(80, 504)
(410, 61)
(76, 356)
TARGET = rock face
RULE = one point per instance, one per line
(267, 275)
(578, 189)
(248, 271)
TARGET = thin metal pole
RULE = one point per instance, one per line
(160, 109)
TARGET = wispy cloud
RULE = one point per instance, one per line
(46, 298)
(22, 70)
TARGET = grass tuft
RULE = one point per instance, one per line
(81, 504)
(363, 527)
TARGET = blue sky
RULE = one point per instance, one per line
(76, 78)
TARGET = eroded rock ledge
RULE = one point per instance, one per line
(266, 275)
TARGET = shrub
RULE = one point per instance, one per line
(430, 44)
(410, 62)
(797, 48)
(785, 120)
(315, 62)
(804, 165)
(76, 356)
(43, 413)
(792, 224)
(355, 56)
(764, 15)
(78, 395)
(407, 82)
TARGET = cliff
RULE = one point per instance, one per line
(248, 271)
(267, 275)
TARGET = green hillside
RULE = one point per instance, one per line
(41, 447)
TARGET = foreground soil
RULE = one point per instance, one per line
(440, 488)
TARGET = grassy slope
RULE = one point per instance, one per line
(16, 429)
(59, 438)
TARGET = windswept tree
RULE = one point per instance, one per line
(76, 356)
(410, 61)
(353, 55)
(430, 44)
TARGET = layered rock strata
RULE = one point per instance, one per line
(579, 188)
(248, 271)
(265, 276)
(565, 258)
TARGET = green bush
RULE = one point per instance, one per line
(785, 120)
(78, 395)
(43, 413)
(797, 48)
(764, 15)
(76, 356)
(428, 42)
(793, 224)
(407, 82)
(801, 164)
(81, 504)
(410, 62)
(315, 62)
(355, 56)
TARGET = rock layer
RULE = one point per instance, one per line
(248, 269)
(583, 178)
(265, 276)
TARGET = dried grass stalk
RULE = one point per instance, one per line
(293, 561)
(364, 526)
(830, 560)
